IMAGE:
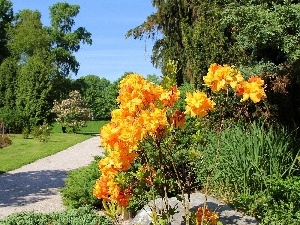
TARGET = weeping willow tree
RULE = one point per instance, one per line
(257, 36)
(196, 33)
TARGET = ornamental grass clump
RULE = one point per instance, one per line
(147, 117)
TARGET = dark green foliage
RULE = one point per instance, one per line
(13, 119)
(8, 81)
(78, 190)
(6, 15)
(260, 37)
(83, 215)
(95, 91)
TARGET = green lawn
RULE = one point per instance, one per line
(92, 127)
(24, 151)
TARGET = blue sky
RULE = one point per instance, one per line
(111, 54)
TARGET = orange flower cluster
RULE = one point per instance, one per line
(220, 77)
(136, 117)
(143, 110)
(209, 216)
(252, 89)
(198, 104)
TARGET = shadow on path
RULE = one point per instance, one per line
(28, 187)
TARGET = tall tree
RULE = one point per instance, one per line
(66, 40)
(27, 36)
(39, 63)
(34, 90)
(30, 47)
(167, 21)
(6, 17)
(196, 33)
(258, 36)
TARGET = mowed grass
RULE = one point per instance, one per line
(93, 127)
(25, 151)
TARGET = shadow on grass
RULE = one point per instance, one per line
(24, 188)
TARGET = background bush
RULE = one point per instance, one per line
(78, 190)
(4, 141)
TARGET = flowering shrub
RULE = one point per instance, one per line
(72, 112)
(146, 113)
(42, 132)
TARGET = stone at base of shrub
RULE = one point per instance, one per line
(226, 214)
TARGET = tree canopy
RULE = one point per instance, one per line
(244, 33)
(36, 62)
(259, 37)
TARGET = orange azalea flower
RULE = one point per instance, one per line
(215, 78)
(198, 104)
(136, 117)
(177, 119)
(252, 89)
(137, 93)
(151, 120)
(219, 77)
(209, 216)
(123, 198)
(168, 98)
(109, 135)
(107, 167)
(234, 78)
(101, 188)
(134, 80)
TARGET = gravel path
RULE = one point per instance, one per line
(35, 187)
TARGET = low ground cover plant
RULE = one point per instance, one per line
(278, 203)
(83, 215)
(78, 190)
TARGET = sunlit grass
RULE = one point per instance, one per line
(25, 151)
(92, 127)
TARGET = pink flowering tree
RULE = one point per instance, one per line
(73, 112)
